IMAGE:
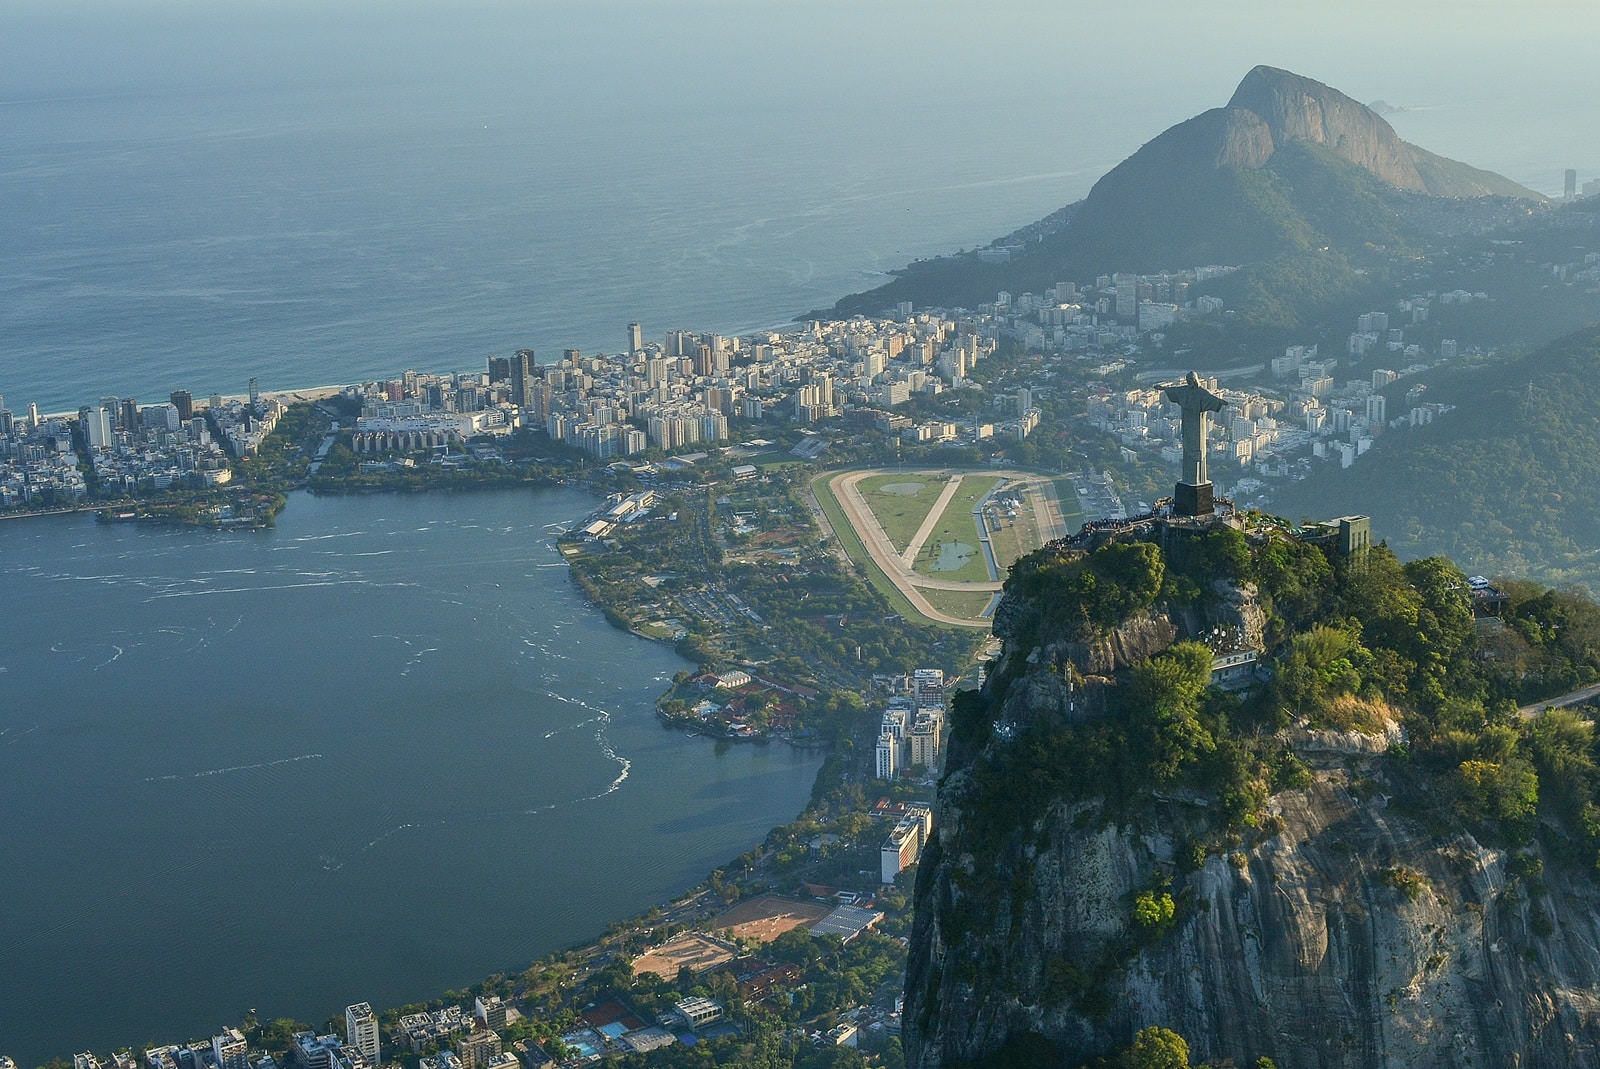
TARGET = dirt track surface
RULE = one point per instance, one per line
(698, 952)
(893, 564)
(769, 916)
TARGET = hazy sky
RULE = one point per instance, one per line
(1522, 72)
(1011, 51)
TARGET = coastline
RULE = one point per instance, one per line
(285, 397)
(599, 922)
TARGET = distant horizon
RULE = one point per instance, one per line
(294, 189)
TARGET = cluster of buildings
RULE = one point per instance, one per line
(37, 463)
(910, 735)
(461, 1042)
(684, 390)
(1569, 189)
(912, 727)
(1106, 316)
(1309, 413)
(1257, 431)
(359, 1049)
(226, 1050)
(130, 447)
(137, 447)
(419, 411)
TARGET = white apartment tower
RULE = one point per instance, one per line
(361, 1031)
(888, 756)
(230, 1050)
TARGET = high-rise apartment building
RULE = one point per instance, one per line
(476, 1048)
(230, 1050)
(521, 376)
(99, 428)
(1127, 296)
(361, 1031)
(635, 338)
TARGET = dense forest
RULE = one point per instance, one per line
(1360, 654)
(1352, 648)
(1507, 484)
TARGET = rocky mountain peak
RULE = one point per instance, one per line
(1296, 108)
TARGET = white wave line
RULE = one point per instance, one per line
(234, 768)
(254, 589)
(604, 720)
(12, 740)
(332, 863)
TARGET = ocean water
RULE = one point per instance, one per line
(195, 194)
(377, 752)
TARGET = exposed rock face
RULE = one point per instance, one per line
(1294, 108)
(1301, 949)
(1272, 108)
(1346, 935)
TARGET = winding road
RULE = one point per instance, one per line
(1572, 697)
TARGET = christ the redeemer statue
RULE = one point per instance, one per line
(1192, 495)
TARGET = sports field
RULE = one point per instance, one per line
(698, 952)
(768, 916)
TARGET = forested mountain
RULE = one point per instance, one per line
(1507, 484)
(1365, 860)
(1290, 167)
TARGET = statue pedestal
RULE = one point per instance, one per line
(1193, 499)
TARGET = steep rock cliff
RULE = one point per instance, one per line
(1296, 108)
(1345, 931)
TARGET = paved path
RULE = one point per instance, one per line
(929, 521)
(1572, 697)
(1047, 510)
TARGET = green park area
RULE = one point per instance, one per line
(901, 501)
(953, 549)
(962, 604)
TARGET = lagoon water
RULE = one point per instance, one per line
(379, 751)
